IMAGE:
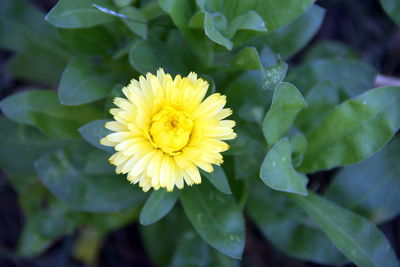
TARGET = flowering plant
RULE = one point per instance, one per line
(183, 118)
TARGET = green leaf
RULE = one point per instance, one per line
(287, 227)
(82, 178)
(161, 244)
(44, 224)
(122, 3)
(354, 130)
(116, 91)
(222, 22)
(275, 14)
(148, 56)
(287, 41)
(179, 10)
(40, 108)
(83, 82)
(274, 75)
(216, 217)
(26, 144)
(298, 143)
(278, 173)
(47, 71)
(357, 238)
(320, 100)
(89, 41)
(210, 29)
(287, 102)
(330, 49)
(280, 13)
(246, 59)
(23, 30)
(93, 131)
(352, 77)
(256, 98)
(218, 179)
(22, 26)
(77, 14)
(242, 144)
(158, 205)
(250, 20)
(392, 7)
(138, 23)
(220, 260)
(191, 251)
(377, 182)
(103, 222)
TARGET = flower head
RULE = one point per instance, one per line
(164, 131)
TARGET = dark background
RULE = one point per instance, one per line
(362, 24)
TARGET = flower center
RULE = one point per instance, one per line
(170, 129)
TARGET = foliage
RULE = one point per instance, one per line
(291, 122)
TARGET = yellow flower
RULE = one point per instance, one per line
(164, 131)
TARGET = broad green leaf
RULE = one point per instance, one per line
(82, 178)
(287, 41)
(249, 20)
(191, 251)
(210, 29)
(378, 184)
(248, 165)
(122, 3)
(274, 75)
(138, 23)
(218, 179)
(149, 56)
(246, 59)
(103, 222)
(152, 9)
(222, 22)
(158, 205)
(356, 237)
(277, 170)
(93, 131)
(20, 146)
(221, 260)
(160, 243)
(392, 7)
(83, 82)
(95, 40)
(179, 10)
(280, 13)
(47, 71)
(242, 144)
(330, 49)
(287, 227)
(216, 217)
(354, 130)
(275, 14)
(77, 14)
(320, 100)
(287, 102)
(116, 91)
(44, 224)
(22, 26)
(40, 108)
(352, 77)
(23, 30)
(298, 143)
(256, 98)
